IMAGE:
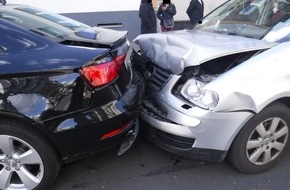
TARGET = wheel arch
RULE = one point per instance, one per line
(36, 126)
(284, 103)
(284, 100)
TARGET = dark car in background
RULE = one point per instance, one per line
(66, 92)
(221, 90)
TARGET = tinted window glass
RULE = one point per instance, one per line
(248, 18)
(16, 40)
(42, 22)
(56, 18)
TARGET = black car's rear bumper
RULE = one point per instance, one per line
(103, 126)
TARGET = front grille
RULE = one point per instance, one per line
(159, 77)
(154, 75)
(165, 138)
(154, 110)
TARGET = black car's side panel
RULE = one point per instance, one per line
(66, 92)
(44, 96)
(82, 131)
(40, 84)
(71, 115)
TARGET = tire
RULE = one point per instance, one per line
(262, 141)
(27, 161)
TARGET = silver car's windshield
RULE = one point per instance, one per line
(248, 18)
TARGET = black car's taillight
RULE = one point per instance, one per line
(103, 71)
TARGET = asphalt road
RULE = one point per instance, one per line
(147, 167)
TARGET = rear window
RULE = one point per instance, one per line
(42, 22)
(56, 18)
(16, 40)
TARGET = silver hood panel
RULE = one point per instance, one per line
(177, 50)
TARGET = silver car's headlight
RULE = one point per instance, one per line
(194, 91)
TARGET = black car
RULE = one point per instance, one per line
(66, 91)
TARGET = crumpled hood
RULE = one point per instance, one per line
(177, 50)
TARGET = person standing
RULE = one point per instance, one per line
(165, 14)
(147, 16)
(195, 12)
(2, 2)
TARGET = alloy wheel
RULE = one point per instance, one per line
(21, 166)
(267, 141)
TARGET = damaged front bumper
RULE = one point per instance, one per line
(178, 126)
(195, 133)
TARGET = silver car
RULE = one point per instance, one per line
(221, 90)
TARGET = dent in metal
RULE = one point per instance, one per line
(237, 100)
(177, 50)
(256, 82)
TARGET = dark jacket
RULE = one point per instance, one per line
(195, 11)
(148, 18)
(167, 14)
(3, 2)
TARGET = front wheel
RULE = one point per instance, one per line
(262, 141)
(27, 161)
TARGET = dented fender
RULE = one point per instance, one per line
(255, 83)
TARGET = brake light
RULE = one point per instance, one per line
(103, 71)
